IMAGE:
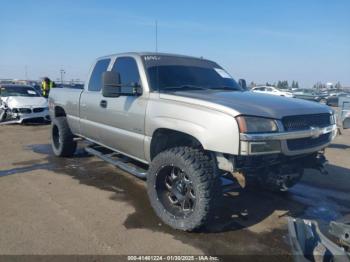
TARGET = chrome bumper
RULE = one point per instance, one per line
(312, 132)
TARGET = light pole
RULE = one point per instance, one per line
(62, 72)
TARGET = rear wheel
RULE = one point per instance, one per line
(62, 139)
(182, 187)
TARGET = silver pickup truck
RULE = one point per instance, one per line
(185, 125)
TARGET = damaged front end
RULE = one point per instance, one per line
(274, 153)
(275, 172)
(22, 115)
(282, 172)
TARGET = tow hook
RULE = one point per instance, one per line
(320, 164)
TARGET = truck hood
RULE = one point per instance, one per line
(249, 103)
(24, 102)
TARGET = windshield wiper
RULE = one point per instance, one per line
(184, 87)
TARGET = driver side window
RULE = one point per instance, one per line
(129, 73)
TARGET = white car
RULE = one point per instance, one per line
(21, 103)
(271, 90)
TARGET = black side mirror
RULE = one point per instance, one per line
(243, 84)
(111, 84)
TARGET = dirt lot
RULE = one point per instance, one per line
(82, 205)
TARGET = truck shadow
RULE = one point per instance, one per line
(239, 216)
(338, 146)
(234, 211)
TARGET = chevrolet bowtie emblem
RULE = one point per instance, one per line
(315, 132)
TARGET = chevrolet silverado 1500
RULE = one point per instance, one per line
(190, 126)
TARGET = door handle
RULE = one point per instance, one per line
(103, 103)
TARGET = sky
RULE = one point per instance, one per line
(259, 40)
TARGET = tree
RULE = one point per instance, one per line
(297, 85)
(338, 86)
(293, 84)
(284, 84)
(279, 84)
(319, 86)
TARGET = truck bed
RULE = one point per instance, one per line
(69, 99)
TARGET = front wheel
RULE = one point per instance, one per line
(182, 187)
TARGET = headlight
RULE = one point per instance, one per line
(333, 119)
(251, 124)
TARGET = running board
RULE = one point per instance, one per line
(117, 160)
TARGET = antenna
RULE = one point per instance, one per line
(156, 24)
(157, 72)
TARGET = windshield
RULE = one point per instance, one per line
(182, 73)
(18, 91)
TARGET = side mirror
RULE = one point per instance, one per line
(243, 84)
(111, 84)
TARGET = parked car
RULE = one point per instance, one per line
(185, 125)
(22, 103)
(333, 99)
(344, 112)
(271, 91)
(311, 95)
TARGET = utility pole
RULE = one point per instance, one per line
(62, 72)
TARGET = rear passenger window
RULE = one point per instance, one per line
(127, 68)
(95, 82)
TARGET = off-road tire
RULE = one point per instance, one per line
(200, 168)
(62, 139)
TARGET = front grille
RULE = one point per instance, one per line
(38, 109)
(303, 122)
(25, 110)
(308, 142)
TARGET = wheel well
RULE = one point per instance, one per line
(164, 139)
(59, 111)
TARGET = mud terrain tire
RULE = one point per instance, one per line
(195, 170)
(62, 139)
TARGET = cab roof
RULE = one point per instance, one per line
(150, 54)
